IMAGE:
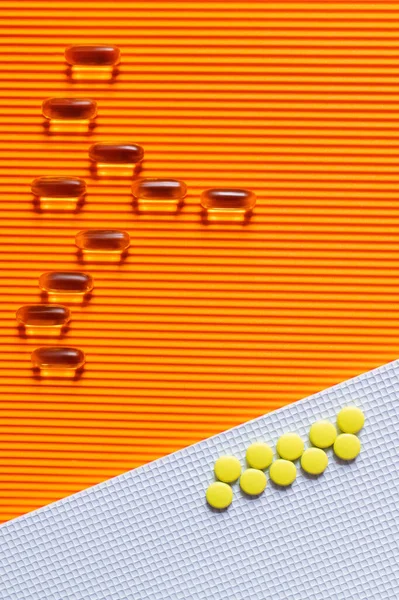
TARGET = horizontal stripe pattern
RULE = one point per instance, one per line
(203, 326)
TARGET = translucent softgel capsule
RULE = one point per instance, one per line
(92, 61)
(158, 194)
(56, 361)
(70, 287)
(43, 319)
(69, 114)
(103, 245)
(116, 160)
(58, 193)
(222, 204)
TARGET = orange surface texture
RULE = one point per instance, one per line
(203, 326)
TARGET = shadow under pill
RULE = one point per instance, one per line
(251, 497)
(281, 488)
(310, 475)
(342, 462)
(217, 511)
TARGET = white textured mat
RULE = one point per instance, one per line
(149, 534)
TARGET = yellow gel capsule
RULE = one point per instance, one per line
(347, 446)
(219, 495)
(282, 472)
(350, 419)
(259, 455)
(227, 469)
(253, 482)
(290, 446)
(322, 434)
(314, 461)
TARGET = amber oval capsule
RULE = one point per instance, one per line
(230, 205)
(58, 361)
(66, 285)
(58, 187)
(92, 55)
(159, 189)
(65, 109)
(46, 315)
(116, 154)
(228, 199)
(111, 240)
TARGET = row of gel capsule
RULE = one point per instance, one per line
(120, 160)
(52, 319)
(68, 193)
(290, 447)
(149, 194)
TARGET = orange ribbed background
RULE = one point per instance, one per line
(203, 327)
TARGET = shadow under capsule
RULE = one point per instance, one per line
(40, 373)
(115, 171)
(70, 298)
(58, 205)
(70, 127)
(239, 217)
(50, 331)
(100, 73)
(114, 257)
(157, 206)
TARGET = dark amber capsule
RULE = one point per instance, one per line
(103, 245)
(116, 160)
(222, 204)
(93, 56)
(158, 194)
(59, 193)
(93, 62)
(70, 287)
(43, 319)
(53, 361)
(67, 109)
(69, 115)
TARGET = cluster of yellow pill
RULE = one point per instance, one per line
(290, 448)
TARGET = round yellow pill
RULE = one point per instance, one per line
(347, 446)
(227, 469)
(283, 472)
(314, 461)
(253, 482)
(259, 455)
(290, 446)
(322, 434)
(219, 495)
(350, 419)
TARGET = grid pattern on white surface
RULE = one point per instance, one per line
(149, 534)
